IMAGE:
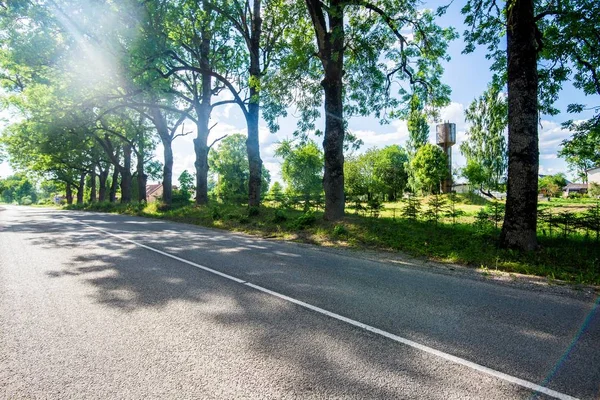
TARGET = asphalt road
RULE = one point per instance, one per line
(86, 311)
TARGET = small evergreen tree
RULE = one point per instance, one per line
(412, 210)
(436, 207)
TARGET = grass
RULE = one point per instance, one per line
(574, 259)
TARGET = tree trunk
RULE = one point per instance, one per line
(81, 188)
(201, 163)
(167, 181)
(252, 119)
(203, 111)
(93, 198)
(69, 193)
(103, 177)
(333, 143)
(519, 229)
(125, 172)
(142, 178)
(114, 185)
(167, 141)
(253, 151)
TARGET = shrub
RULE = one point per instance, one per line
(375, 206)
(340, 230)
(279, 217)
(25, 201)
(482, 219)
(304, 221)
(180, 198)
(253, 211)
(216, 214)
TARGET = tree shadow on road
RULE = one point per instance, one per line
(308, 354)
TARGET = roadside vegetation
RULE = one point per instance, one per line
(455, 231)
(97, 92)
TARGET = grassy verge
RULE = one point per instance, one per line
(573, 259)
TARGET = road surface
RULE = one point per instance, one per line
(96, 306)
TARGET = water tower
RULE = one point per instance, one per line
(446, 138)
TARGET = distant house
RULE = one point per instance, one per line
(461, 188)
(593, 175)
(154, 192)
(572, 188)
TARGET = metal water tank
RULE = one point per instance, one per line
(446, 134)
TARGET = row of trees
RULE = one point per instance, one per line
(171, 62)
(99, 84)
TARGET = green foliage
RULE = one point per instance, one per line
(186, 185)
(591, 220)
(474, 173)
(302, 169)
(582, 150)
(25, 201)
(418, 128)
(374, 206)
(453, 212)
(377, 172)
(594, 189)
(436, 208)
(412, 209)
(495, 210)
(567, 37)
(180, 198)
(304, 221)
(430, 166)
(340, 230)
(276, 193)
(485, 146)
(18, 188)
(216, 214)
(230, 163)
(482, 219)
(279, 217)
(552, 185)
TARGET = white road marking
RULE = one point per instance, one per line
(457, 360)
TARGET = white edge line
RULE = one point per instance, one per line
(396, 338)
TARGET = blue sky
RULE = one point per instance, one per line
(467, 75)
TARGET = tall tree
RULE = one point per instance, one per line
(430, 166)
(352, 37)
(485, 144)
(561, 32)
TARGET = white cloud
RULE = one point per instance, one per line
(5, 170)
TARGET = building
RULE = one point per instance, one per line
(154, 192)
(573, 188)
(593, 175)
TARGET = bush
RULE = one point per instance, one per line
(279, 217)
(253, 211)
(180, 198)
(216, 214)
(104, 206)
(340, 230)
(304, 221)
(25, 201)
